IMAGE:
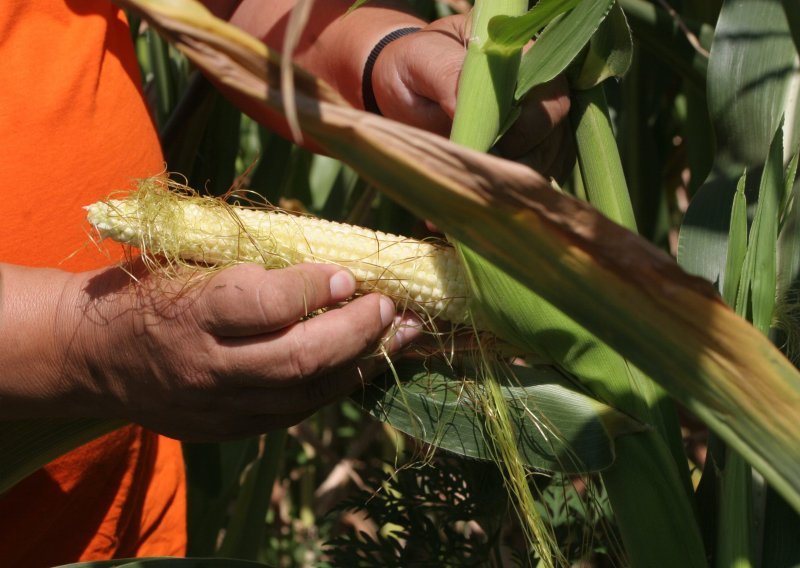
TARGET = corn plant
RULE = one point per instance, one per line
(621, 338)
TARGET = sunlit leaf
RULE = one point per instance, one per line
(510, 33)
(558, 428)
(610, 51)
(752, 82)
(559, 44)
(599, 160)
(756, 295)
(737, 245)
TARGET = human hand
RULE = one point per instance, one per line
(229, 357)
(415, 80)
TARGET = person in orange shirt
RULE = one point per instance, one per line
(229, 358)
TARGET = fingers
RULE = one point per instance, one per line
(544, 108)
(242, 411)
(556, 157)
(309, 348)
(412, 87)
(255, 410)
(247, 300)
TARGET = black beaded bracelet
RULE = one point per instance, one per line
(370, 104)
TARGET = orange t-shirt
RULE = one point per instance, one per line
(74, 127)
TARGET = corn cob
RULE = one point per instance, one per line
(421, 276)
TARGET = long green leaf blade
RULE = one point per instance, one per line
(610, 51)
(559, 44)
(599, 159)
(737, 245)
(558, 428)
(508, 34)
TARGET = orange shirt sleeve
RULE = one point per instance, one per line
(74, 127)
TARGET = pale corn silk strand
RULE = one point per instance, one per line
(167, 220)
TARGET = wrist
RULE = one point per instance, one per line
(41, 370)
(353, 38)
(369, 101)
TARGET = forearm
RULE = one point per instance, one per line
(38, 370)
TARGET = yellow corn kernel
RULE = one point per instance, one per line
(422, 276)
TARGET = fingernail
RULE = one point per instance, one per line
(343, 285)
(387, 311)
(406, 328)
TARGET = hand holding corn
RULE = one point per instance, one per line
(222, 359)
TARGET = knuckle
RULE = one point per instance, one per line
(303, 360)
(310, 292)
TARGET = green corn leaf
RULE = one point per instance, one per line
(601, 168)
(781, 548)
(213, 473)
(508, 34)
(479, 117)
(610, 51)
(659, 33)
(658, 530)
(559, 44)
(757, 287)
(792, 11)
(558, 428)
(788, 187)
(272, 173)
(184, 130)
(215, 163)
(735, 523)
(165, 80)
(737, 245)
(789, 237)
(752, 82)
(244, 533)
(756, 277)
